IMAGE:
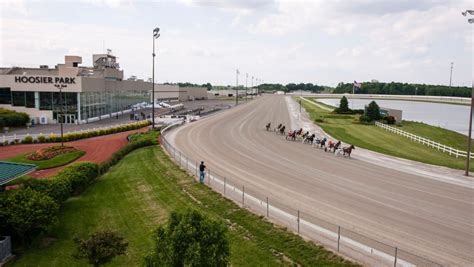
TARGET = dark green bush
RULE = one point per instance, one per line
(10, 118)
(27, 140)
(25, 213)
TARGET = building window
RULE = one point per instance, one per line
(46, 100)
(30, 99)
(18, 99)
(5, 96)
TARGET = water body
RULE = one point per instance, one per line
(451, 117)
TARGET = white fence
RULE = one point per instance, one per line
(20, 137)
(338, 238)
(452, 151)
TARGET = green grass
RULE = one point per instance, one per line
(347, 129)
(59, 160)
(151, 134)
(138, 194)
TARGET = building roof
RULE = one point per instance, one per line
(11, 170)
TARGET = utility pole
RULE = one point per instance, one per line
(237, 87)
(252, 86)
(451, 75)
(246, 78)
(60, 116)
(156, 34)
(468, 159)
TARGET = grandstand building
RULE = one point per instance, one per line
(87, 93)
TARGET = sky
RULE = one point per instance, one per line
(321, 41)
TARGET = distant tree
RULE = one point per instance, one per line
(344, 105)
(373, 111)
(25, 213)
(190, 239)
(100, 248)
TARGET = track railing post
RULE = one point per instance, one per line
(243, 195)
(298, 220)
(225, 181)
(395, 258)
(267, 208)
(338, 237)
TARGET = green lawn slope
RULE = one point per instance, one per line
(137, 195)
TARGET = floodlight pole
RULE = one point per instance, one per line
(451, 75)
(155, 36)
(61, 117)
(246, 78)
(236, 87)
(469, 134)
(252, 87)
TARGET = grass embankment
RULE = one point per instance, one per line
(59, 160)
(347, 128)
(137, 195)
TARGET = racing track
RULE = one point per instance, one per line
(420, 215)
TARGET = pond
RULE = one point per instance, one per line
(448, 116)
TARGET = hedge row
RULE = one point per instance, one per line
(10, 118)
(77, 136)
(32, 209)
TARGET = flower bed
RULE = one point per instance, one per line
(50, 152)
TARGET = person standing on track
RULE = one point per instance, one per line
(202, 172)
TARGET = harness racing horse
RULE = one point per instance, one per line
(291, 135)
(282, 130)
(268, 126)
(347, 150)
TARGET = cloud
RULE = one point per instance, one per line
(243, 7)
(117, 4)
(13, 6)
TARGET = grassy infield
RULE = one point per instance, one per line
(346, 128)
(59, 160)
(138, 194)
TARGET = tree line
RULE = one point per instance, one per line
(396, 88)
(314, 88)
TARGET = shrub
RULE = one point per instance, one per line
(190, 239)
(100, 248)
(25, 213)
(10, 118)
(72, 180)
(28, 140)
(343, 105)
(41, 139)
(373, 111)
(389, 120)
(364, 119)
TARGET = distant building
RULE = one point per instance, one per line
(88, 93)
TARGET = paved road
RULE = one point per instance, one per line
(418, 214)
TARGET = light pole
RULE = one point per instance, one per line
(246, 78)
(252, 86)
(468, 159)
(237, 87)
(61, 118)
(451, 75)
(156, 34)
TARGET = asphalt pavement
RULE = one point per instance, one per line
(427, 217)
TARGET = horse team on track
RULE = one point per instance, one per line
(307, 138)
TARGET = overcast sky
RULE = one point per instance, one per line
(323, 42)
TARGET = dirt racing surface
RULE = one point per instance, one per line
(424, 216)
(98, 149)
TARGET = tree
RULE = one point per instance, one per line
(373, 111)
(190, 239)
(344, 105)
(25, 212)
(100, 248)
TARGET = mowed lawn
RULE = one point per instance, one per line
(59, 160)
(137, 195)
(347, 128)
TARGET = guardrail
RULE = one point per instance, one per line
(333, 236)
(452, 151)
(35, 136)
